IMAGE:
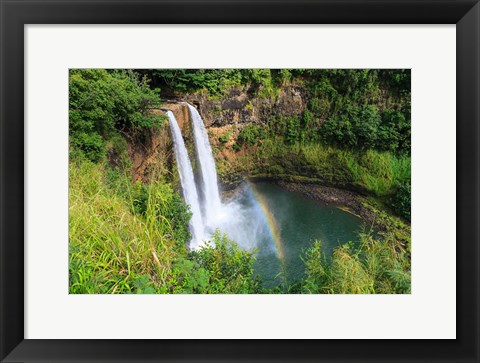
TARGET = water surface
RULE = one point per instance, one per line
(281, 224)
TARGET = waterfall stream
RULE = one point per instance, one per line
(208, 172)
(188, 183)
(243, 223)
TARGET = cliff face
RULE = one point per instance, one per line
(153, 149)
(224, 115)
(242, 106)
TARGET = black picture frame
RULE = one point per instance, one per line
(15, 14)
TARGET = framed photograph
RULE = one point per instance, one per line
(239, 181)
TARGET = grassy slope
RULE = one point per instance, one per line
(111, 247)
(370, 172)
(116, 248)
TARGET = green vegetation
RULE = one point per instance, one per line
(371, 172)
(123, 243)
(229, 268)
(364, 128)
(250, 134)
(128, 238)
(215, 81)
(377, 266)
(401, 201)
(223, 139)
(104, 103)
(353, 132)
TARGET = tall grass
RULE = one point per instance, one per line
(132, 238)
(111, 247)
(376, 266)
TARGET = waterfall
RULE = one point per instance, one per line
(188, 183)
(239, 219)
(212, 204)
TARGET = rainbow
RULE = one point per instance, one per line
(270, 219)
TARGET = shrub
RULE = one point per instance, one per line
(281, 76)
(190, 278)
(394, 132)
(364, 128)
(320, 106)
(402, 200)
(102, 102)
(224, 139)
(249, 134)
(398, 80)
(91, 145)
(229, 267)
(377, 265)
(293, 130)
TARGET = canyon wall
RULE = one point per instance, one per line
(222, 115)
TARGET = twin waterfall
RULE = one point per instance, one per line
(204, 210)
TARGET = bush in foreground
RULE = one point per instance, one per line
(376, 266)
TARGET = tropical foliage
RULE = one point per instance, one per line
(103, 103)
(131, 237)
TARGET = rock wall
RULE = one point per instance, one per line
(242, 106)
(227, 114)
(153, 149)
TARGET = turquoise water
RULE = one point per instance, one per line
(293, 222)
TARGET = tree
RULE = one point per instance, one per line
(101, 102)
